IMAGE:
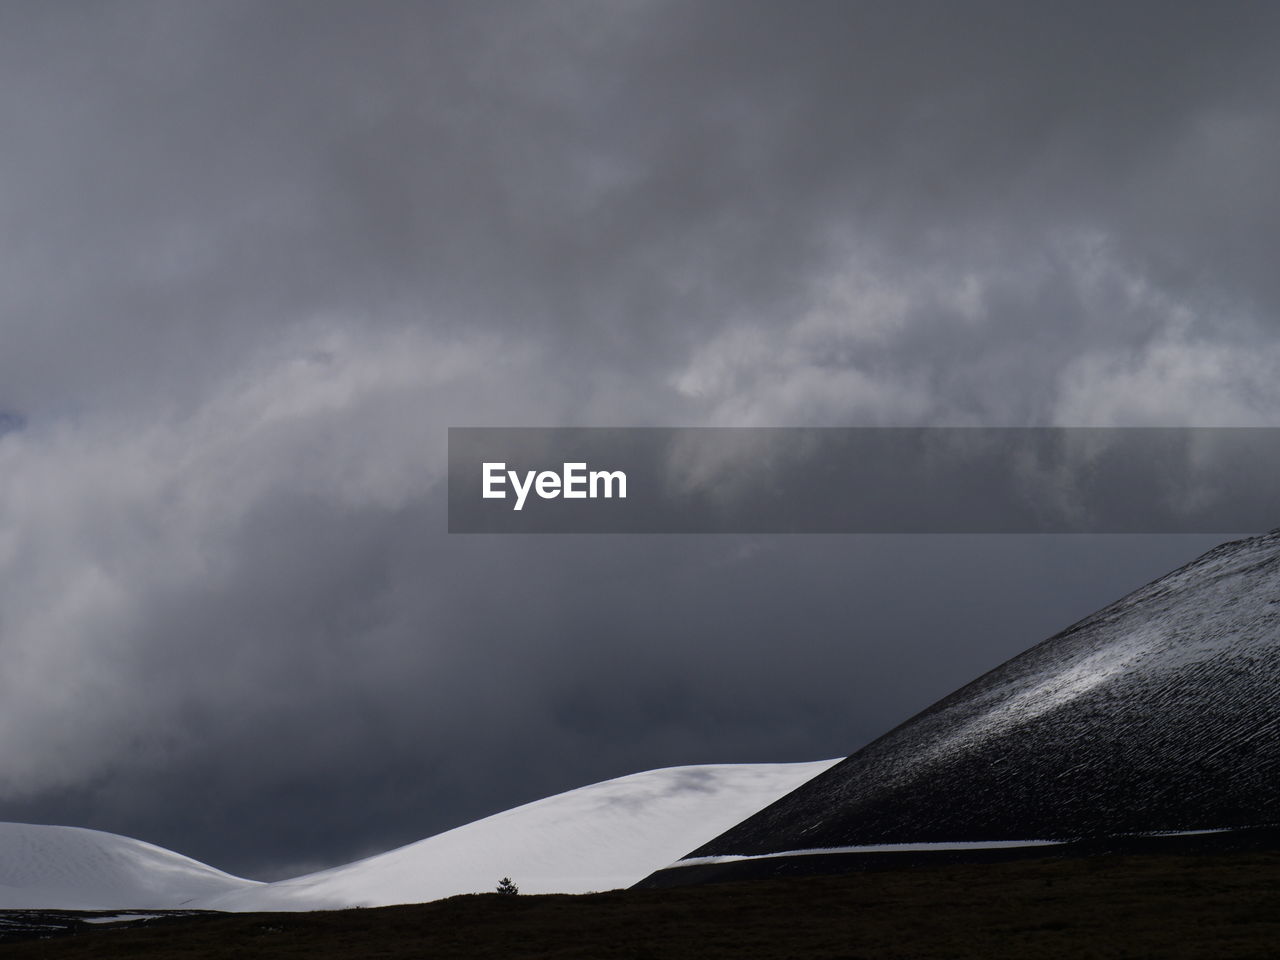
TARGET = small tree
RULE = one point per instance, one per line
(506, 886)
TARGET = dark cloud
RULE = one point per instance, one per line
(258, 257)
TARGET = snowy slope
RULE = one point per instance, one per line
(598, 837)
(71, 868)
(1158, 714)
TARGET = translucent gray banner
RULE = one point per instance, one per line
(863, 480)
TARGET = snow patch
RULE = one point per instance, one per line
(599, 837)
(72, 868)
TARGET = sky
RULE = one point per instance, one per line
(257, 258)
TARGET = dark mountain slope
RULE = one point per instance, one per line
(1160, 712)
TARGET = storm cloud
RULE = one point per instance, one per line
(258, 257)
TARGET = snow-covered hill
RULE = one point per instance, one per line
(598, 837)
(70, 868)
(1159, 714)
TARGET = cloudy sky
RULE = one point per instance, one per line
(257, 257)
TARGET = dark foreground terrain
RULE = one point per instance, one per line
(1166, 906)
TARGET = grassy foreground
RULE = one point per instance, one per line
(1208, 905)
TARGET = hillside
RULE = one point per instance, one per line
(1158, 714)
(71, 868)
(598, 837)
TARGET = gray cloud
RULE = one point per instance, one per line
(257, 257)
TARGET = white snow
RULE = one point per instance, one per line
(119, 918)
(933, 845)
(71, 868)
(599, 837)
(940, 845)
